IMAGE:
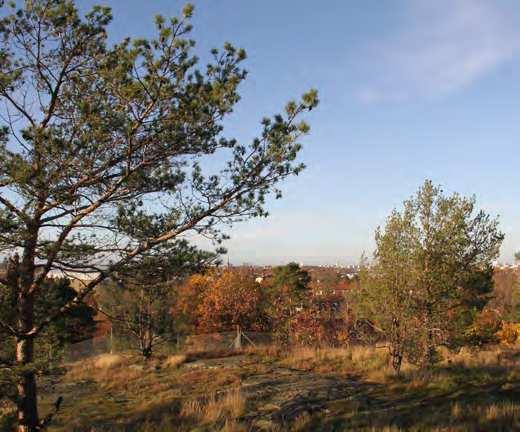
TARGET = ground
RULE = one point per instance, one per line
(304, 390)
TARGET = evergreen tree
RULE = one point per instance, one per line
(104, 153)
(76, 325)
(291, 281)
(287, 293)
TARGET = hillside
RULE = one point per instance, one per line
(304, 390)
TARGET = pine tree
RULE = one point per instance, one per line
(104, 153)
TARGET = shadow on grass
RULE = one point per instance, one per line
(455, 398)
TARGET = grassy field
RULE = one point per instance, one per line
(303, 390)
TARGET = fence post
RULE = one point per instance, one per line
(238, 339)
(111, 340)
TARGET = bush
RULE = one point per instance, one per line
(509, 333)
(317, 325)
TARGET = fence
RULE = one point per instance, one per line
(190, 343)
(224, 340)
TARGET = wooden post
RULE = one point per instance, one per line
(111, 339)
(238, 339)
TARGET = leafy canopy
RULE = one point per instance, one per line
(432, 271)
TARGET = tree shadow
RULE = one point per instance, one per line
(477, 399)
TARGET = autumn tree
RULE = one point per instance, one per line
(432, 271)
(139, 297)
(188, 297)
(219, 300)
(232, 298)
(320, 323)
(104, 150)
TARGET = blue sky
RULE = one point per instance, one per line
(409, 90)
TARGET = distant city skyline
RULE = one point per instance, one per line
(409, 90)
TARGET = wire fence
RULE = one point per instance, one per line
(113, 344)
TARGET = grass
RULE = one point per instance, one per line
(107, 393)
(174, 361)
(370, 361)
(265, 388)
(228, 406)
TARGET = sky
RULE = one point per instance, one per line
(409, 90)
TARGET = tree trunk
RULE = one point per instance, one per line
(430, 354)
(146, 344)
(147, 353)
(27, 403)
(27, 399)
(397, 359)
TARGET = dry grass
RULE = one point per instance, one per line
(500, 411)
(231, 425)
(108, 361)
(99, 362)
(473, 357)
(301, 422)
(308, 358)
(368, 360)
(456, 410)
(174, 361)
(110, 371)
(213, 408)
(266, 351)
(497, 416)
(205, 354)
(466, 391)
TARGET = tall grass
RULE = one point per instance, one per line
(351, 359)
(229, 406)
(174, 361)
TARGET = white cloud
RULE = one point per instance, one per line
(444, 46)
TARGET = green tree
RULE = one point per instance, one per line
(514, 315)
(287, 293)
(513, 311)
(75, 325)
(291, 280)
(432, 271)
(105, 151)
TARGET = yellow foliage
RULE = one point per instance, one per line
(509, 333)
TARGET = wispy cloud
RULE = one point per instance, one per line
(444, 46)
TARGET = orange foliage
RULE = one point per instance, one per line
(188, 298)
(219, 301)
(318, 325)
(232, 298)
